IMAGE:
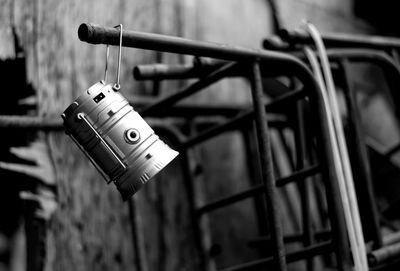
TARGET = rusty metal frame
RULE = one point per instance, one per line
(260, 63)
(382, 52)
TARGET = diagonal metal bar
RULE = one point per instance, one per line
(298, 175)
(308, 252)
(244, 117)
(252, 192)
(215, 76)
(257, 190)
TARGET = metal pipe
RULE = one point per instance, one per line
(137, 236)
(303, 187)
(163, 104)
(27, 122)
(322, 235)
(383, 254)
(391, 70)
(252, 192)
(342, 164)
(35, 237)
(308, 252)
(360, 163)
(346, 184)
(257, 190)
(299, 175)
(382, 60)
(364, 55)
(334, 198)
(285, 146)
(277, 44)
(342, 40)
(187, 110)
(392, 238)
(243, 118)
(200, 240)
(253, 168)
(186, 71)
(96, 34)
(378, 58)
(267, 168)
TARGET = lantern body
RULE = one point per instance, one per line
(115, 138)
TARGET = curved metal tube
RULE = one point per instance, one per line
(342, 40)
(346, 184)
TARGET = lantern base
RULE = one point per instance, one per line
(153, 160)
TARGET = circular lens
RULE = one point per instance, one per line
(132, 136)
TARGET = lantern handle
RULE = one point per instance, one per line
(117, 85)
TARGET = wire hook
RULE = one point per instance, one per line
(117, 85)
(106, 66)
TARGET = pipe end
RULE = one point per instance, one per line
(83, 31)
(91, 33)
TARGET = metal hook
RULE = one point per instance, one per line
(117, 86)
(106, 67)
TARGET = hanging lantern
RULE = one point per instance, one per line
(115, 138)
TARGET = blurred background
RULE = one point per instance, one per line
(56, 212)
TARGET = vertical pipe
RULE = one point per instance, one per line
(137, 236)
(360, 161)
(328, 157)
(35, 235)
(253, 165)
(286, 147)
(200, 240)
(280, 172)
(266, 168)
(346, 184)
(300, 141)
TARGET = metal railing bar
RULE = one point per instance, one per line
(185, 71)
(28, 122)
(252, 192)
(163, 104)
(322, 235)
(188, 109)
(306, 253)
(257, 190)
(264, 143)
(298, 175)
(342, 40)
(243, 118)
